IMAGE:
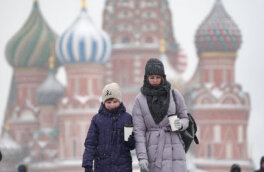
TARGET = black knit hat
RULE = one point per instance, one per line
(154, 67)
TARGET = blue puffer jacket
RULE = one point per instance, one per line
(105, 142)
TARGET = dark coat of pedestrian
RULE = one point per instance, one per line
(159, 149)
(235, 168)
(22, 168)
(261, 169)
(105, 143)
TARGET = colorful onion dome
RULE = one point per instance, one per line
(83, 42)
(31, 46)
(51, 90)
(218, 33)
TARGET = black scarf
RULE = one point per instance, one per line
(158, 99)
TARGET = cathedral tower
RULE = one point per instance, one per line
(135, 29)
(219, 104)
(28, 52)
(82, 49)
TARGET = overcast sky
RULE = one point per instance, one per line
(187, 16)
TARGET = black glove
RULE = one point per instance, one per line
(131, 142)
(88, 169)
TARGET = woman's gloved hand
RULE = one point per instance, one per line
(143, 164)
(178, 124)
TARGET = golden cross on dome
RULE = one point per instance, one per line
(162, 46)
(7, 127)
(83, 4)
(51, 58)
(162, 40)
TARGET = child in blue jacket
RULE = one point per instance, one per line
(105, 143)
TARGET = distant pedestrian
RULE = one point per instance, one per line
(22, 168)
(0, 156)
(235, 168)
(261, 165)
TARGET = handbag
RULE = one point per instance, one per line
(188, 135)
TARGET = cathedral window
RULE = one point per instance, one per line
(27, 115)
(149, 40)
(229, 150)
(149, 27)
(127, 3)
(29, 94)
(211, 76)
(149, 14)
(124, 27)
(209, 151)
(229, 100)
(123, 77)
(74, 149)
(76, 86)
(217, 134)
(224, 77)
(125, 14)
(125, 39)
(151, 3)
(240, 134)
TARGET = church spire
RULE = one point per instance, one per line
(51, 58)
(162, 40)
(84, 4)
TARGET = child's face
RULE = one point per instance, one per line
(112, 104)
(154, 80)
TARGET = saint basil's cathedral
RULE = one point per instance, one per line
(46, 123)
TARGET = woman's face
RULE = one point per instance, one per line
(154, 80)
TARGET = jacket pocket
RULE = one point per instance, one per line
(178, 152)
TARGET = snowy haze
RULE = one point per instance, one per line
(187, 16)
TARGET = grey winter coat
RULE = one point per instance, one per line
(163, 149)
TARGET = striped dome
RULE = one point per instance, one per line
(50, 91)
(31, 46)
(218, 32)
(83, 42)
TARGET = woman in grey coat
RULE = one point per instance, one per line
(159, 149)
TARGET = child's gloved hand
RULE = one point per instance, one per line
(88, 169)
(143, 163)
(178, 124)
(131, 142)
